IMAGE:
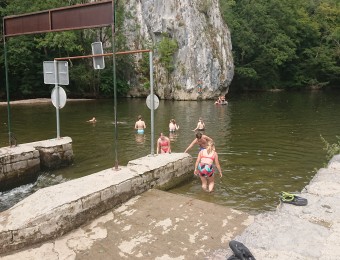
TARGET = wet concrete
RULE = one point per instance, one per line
(153, 225)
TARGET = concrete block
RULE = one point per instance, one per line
(19, 165)
(36, 154)
(91, 200)
(124, 186)
(323, 188)
(33, 162)
(26, 156)
(6, 238)
(68, 155)
(108, 193)
(67, 147)
(26, 234)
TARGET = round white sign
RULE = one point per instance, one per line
(62, 97)
(155, 102)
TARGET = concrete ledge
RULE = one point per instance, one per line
(55, 210)
(300, 232)
(21, 164)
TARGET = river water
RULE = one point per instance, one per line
(267, 142)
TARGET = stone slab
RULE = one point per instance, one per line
(153, 225)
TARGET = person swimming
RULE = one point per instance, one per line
(93, 120)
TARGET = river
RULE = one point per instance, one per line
(267, 142)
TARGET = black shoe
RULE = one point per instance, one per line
(241, 252)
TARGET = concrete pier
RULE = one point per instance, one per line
(55, 210)
(160, 225)
(21, 164)
(299, 232)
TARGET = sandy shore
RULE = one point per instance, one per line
(37, 101)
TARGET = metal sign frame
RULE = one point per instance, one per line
(81, 16)
(91, 15)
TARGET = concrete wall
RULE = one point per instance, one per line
(21, 164)
(55, 210)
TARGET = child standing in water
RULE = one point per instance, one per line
(204, 166)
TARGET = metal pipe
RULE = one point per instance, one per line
(58, 101)
(152, 105)
(100, 55)
(8, 100)
(114, 82)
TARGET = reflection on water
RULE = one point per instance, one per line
(140, 138)
(267, 142)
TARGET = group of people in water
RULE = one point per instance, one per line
(207, 156)
(221, 101)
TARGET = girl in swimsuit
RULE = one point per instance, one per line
(204, 166)
(163, 144)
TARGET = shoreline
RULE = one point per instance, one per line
(38, 101)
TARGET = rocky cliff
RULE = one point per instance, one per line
(203, 46)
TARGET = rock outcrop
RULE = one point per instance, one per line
(203, 46)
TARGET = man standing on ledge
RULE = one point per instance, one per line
(201, 140)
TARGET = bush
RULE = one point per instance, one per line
(331, 149)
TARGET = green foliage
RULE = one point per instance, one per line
(167, 48)
(331, 149)
(289, 43)
(27, 53)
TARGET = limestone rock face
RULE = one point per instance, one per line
(204, 46)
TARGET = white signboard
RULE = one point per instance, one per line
(155, 102)
(62, 97)
(49, 73)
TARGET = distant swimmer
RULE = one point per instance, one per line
(93, 120)
(140, 125)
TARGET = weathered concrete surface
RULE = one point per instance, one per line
(154, 225)
(55, 210)
(302, 233)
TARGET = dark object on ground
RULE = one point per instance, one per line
(293, 199)
(241, 252)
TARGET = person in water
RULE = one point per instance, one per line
(200, 125)
(204, 167)
(201, 140)
(93, 120)
(163, 144)
(140, 125)
(173, 126)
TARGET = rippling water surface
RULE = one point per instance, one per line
(267, 142)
